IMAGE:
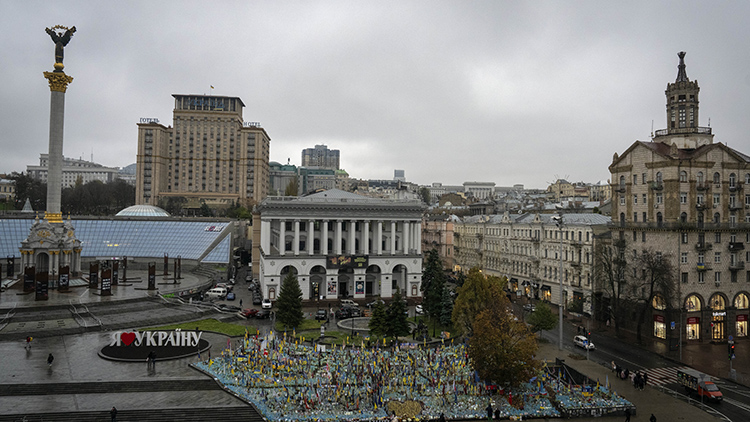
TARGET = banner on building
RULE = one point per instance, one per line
(106, 282)
(346, 261)
(42, 285)
(63, 282)
(94, 275)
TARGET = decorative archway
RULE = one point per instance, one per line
(399, 279)
(372, 281)
(693, 305)
(718, 305)
(317, 281)
(741, 304)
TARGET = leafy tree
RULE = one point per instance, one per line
(425, 194)
(379, 321)
(292, 188)
(460, 279)
(657, 278)
(28, 187)
(501, 349)
(205, 210)
(542, 319)
(289, 302)
(396, 314)
(473, 298)
(239, 212)
(609, 273)
(446, 306)
(173, 204)
(433, 283)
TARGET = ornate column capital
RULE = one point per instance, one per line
(58, 81)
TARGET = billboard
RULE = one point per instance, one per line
(346, 261)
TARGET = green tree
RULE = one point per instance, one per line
(396, 314)
(473, 298)
(542, 319)
(424, 192)
(379, 321)
(292, 188)
(446, 307)
(289, 303)
(29, 188)
(433, 283)
(205, 210)
(502, 349)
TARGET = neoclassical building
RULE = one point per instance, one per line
(528, 249)
(339, 245)
(687, 197)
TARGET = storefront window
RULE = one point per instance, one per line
(741, 303)
(692, 303)
(546, 294)
(660, 327)
(658, 303)
(693, 328)
(718, 317)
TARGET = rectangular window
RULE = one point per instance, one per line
(635, 179)
(643, 237)
(644, 199)
(684, 237)
(717, 257)
(683, 198)
(717, 237)
(717, 199)
(622, 199)
(699, 198)
(701, 277)
(635, 217)
(683, 258)
(643, 177)
(635, 199)
(684, 277)
(659, 198)
(701, 258)
(717, 277)
(644, 217)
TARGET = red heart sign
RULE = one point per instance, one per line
(127, 338)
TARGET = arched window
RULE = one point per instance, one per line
(622, 218)
(659, 219)
(659, 303)
(747, 178)
(693, 303)
(717, 178)
(717, 302)
(699, 177)
(741, 301)
(717, 217)
(732, 180)
(683, 176)
(683, 217)
(658, 177)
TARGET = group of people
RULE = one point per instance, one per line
(638, 379)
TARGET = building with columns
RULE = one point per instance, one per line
(339, 245)
(688, 198)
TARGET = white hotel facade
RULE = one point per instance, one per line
(339, 245)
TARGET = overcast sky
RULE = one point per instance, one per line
(449, 91)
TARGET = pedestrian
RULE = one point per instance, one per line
(497, 414)
(28, 342)
(489, 411)
(240, 303)
(614, 367)
(627, 414)
(50, 359)
(645, 379)
(441, 418)
(652, 418)
(113, 414)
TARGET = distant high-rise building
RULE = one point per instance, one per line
(72, 170)
(398, 175)
(209, 155)
(320, 157)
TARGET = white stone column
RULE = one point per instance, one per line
(405, 235)
(393, 238)
(295, 245)
(418, 237)
(265, 236)
(352, 238)
(379, 238)
(366, 238)
(282, 237)
(337, 238)
(310, 237)
(324, 238)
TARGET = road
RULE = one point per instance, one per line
(661, 372)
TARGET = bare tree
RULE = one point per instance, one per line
(610, 275)
(656, 278)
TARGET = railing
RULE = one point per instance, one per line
(736, 246)
(737, 265)
(699, 129)
(735, 187)
(677, 395)
(656, 185)
(702, 186)
(703, 246)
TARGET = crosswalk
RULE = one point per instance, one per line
(663, 376)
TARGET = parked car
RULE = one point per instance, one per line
(266, 304)
(321, 315)
(529, 307)
(249, 313)
(343, 313)
(582, 341)
(263, 314)
(375, 302)
(230, 296)
(225, 286)
(257, 300)
(217, 293)
(350, 303)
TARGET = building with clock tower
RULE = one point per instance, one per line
(687, 199)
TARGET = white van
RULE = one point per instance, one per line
(217, 293)
(350, 303)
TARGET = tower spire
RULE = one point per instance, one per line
(681, 73)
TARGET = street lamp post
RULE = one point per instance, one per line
(558, 219)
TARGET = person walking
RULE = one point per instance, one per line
(113, 414)
(645, 379)
(50, 359)
(627, 414)
(652, 418)
(489, 411)
(28, 342)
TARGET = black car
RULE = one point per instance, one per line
(257, 299)
(343, 313)
(263, 314)
(321, 315)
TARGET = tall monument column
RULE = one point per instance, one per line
(51, 235)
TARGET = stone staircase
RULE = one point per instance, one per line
(186, 414)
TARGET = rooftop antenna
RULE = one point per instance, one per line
(92, 154)
(709, 122)
(652, 128)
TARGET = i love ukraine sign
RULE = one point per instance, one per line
(135, 346)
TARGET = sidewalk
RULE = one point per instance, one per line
(648, 401)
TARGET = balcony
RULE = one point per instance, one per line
(620, 189)
(699, 129)
(703, 246)
(735, 187)
(702, 186)
(656, 185)
(702, 267)
(575, 264)
(737, 265)
(735, 207)
(736, 246)
(701, 206)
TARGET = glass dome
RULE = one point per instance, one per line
(143, 211)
